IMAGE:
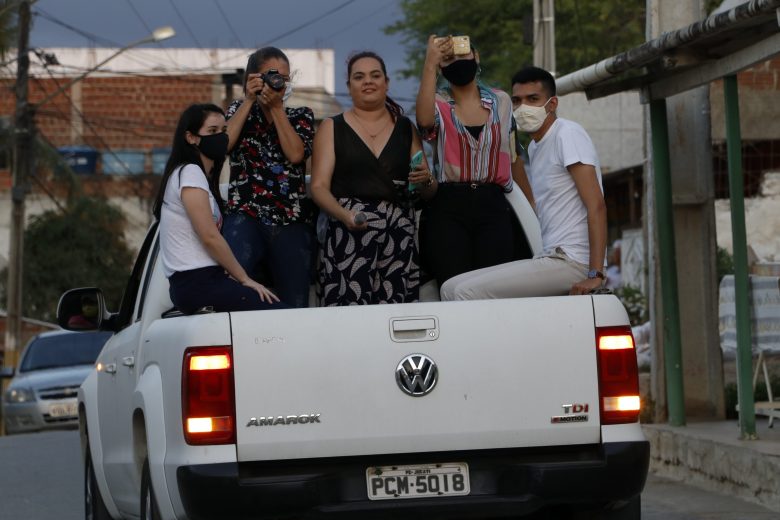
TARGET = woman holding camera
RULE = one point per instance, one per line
(468, 224)
(200, 267)
(362, 178)
(269, 217)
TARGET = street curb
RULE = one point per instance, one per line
(702, 456)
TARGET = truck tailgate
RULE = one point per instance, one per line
(322, 382)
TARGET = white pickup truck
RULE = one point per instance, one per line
(476, 409)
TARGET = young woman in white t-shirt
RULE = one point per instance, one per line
(200, 266)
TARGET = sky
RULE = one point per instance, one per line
(342, 25)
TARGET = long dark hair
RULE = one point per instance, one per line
(394, 108)
(182, 152)
(260, 56)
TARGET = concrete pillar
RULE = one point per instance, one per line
(694, 221)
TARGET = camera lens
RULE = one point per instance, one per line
(274, 80)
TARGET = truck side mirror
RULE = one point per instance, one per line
(81, 309)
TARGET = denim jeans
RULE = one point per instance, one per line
(286, 250)
(212, 287)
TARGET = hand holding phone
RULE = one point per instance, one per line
(461, 45)
(414, 164)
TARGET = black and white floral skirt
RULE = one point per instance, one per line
(375, 265)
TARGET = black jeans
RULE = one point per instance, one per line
(465, 227)
(212, 287)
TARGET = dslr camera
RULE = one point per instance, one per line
(273, 79)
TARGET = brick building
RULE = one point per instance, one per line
(759, 97)
(116, 125)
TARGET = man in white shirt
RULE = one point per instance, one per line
(565, 180)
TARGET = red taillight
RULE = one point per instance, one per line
(207, 395)
(618, 375)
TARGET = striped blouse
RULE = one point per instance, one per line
(459, 157)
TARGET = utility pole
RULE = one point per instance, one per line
(24, 129)
(23, 165)
(544, 35)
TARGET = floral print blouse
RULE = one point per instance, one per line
(263, 183)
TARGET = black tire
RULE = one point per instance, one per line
(149, 510)
(631, 511)
(94, 507)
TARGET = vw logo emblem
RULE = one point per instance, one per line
(416, 375)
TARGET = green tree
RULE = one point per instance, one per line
(586, 31)
(81, 246)
(8, 33)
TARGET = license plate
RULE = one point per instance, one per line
(418, 480)
(64, 410)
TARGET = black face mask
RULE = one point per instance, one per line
(460, 72)
(214, 146)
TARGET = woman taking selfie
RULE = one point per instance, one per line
(269, 217)
(200, 267)
(468, 224)
(362, 179)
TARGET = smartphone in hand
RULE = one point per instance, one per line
(413, 164)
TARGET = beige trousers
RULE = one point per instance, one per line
(548, 275)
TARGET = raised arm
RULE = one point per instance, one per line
(426, 95)
(292, 144)
(237, 119)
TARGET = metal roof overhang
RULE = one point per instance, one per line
(720, 45)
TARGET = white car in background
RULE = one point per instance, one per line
(42, 394)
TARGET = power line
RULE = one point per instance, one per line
(295, 29)
(312, 21)
(227, 22)
(86, 121)
(186, 25)
(358, 21)
(149, 30)
(90, 36)
(96, 39)
(130, 220)
(138, 15)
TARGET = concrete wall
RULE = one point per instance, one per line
(762, 220)
(614, 123)
(759, 97)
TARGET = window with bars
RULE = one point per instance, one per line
(758, 157)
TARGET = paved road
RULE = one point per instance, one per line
(41, 479)
(665, 499)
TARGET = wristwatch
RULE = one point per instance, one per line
(595, 273)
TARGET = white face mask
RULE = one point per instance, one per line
(529, 119)
(287, 92)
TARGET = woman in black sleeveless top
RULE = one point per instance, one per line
(361, 178)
